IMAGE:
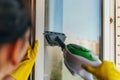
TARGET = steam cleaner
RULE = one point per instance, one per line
(74, 55)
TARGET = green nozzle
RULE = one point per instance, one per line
(80, 51)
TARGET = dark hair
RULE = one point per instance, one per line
(14, 21)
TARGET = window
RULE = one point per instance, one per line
(105, 20)
(81, 21)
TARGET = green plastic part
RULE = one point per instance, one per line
(80, 51)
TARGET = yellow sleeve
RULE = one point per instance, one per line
(25, 67)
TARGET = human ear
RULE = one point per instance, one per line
(15, 52)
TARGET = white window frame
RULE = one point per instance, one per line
(40, 18)
(108, 34)
(39, 65)
(106, 29)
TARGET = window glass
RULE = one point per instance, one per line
(80, 20)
